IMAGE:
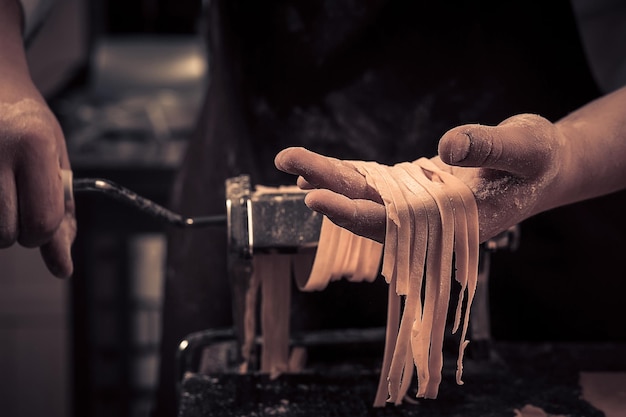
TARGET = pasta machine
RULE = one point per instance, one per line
(273, 219)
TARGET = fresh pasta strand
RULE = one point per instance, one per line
(391, 335)
(341, 253)
(320, 271)
(401, 368)
(249, 321)
(368, 262)
(459, 200)
(421, 333)
(274, 271)
(351, 262)
(471, 211)
(400, 258)
(344, 246)
(373, 177)
(442, 258)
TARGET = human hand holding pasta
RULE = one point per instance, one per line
(510, 168)
(426, 212)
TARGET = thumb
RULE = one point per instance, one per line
(513, 146)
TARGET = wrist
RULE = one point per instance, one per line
(558, 183)
(569, 183)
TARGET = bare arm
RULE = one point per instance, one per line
(596, 140)
(32, 207)
(12, 54)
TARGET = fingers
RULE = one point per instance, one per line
(304, 184)
(318, 171)
(39, 189)
(518, 145)
(37, 221)
(57, 252)
(362, 217)
(33, 212)
(339, 191)
(31, 193)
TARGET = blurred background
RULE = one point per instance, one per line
(126, 79)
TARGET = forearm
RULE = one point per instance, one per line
(593, 160)
(14, 72)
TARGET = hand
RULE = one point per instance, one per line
(511, 169)
(33, 211)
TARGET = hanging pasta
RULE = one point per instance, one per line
(432, 222)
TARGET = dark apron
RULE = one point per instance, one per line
(375, 80)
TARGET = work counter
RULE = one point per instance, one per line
(509, 377)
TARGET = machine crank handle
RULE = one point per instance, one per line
(117, 192)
